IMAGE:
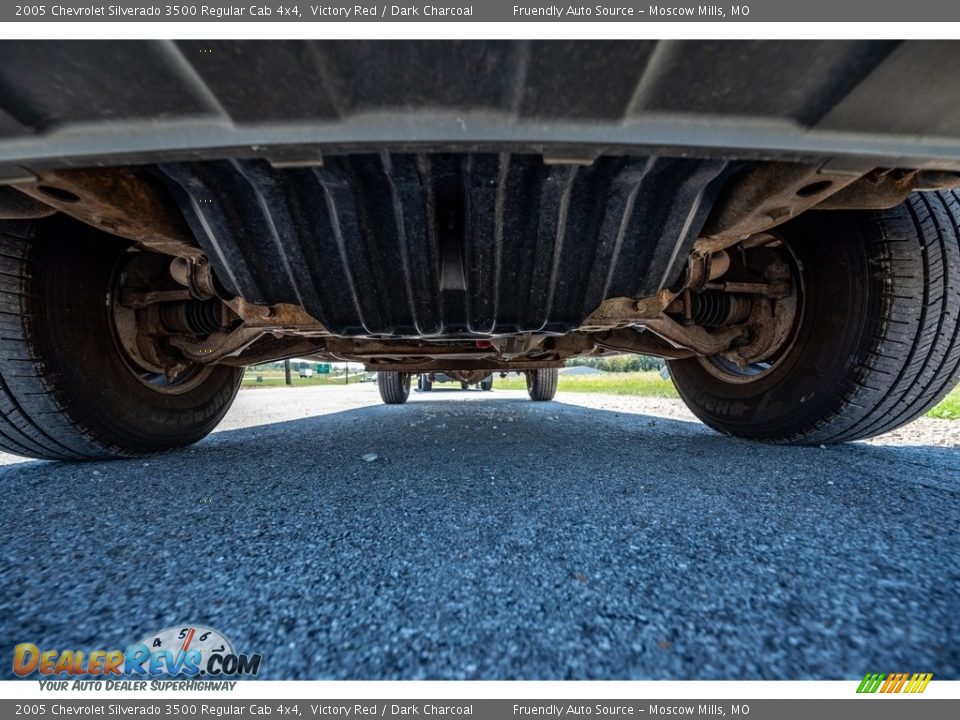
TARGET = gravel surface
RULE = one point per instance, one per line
(480, 535)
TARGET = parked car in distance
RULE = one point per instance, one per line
(478, 379)
(395, 386)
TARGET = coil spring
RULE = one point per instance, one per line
(204, 317)
(711, 309)
(196, 317)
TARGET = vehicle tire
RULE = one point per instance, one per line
(427, 383)
(877, 342)
(67, 389)
(542, 383)
(487, 383)
(464, 386)
(394, 387)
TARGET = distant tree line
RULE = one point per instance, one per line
(294, 365)
(619, 363)
(278, 365)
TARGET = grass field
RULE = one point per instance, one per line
(644, 384)
(650, 384)
(275, 378)
(949, 407)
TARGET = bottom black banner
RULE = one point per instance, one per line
(872, 708)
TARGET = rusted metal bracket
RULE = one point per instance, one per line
(257, 321)
(217, 346)
(776, 289)
(768, 195)
(624, 312)
(440, 365)
(120, 201)
(694, 337)
(640, 341)
(887, 188)
(398, 349)
(139, 299)
(278, 317)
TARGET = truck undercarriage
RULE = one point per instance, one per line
(509, 220)
(457, 261)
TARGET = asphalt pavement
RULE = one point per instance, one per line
(481, 535)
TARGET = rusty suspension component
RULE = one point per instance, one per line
(722, 306)
(171, 313)
(120, 201)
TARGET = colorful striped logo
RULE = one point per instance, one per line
(894, 682)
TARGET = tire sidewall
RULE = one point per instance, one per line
(82, 362)
(840, 294)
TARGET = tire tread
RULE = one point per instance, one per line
(36, 417)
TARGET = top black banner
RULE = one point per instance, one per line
(485, 11)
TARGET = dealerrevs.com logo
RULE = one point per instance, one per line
(186, 650)
(888, 683)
